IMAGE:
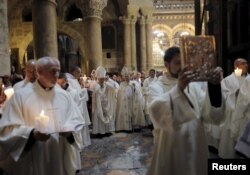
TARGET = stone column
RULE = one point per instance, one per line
(4, 45)
(143, 50)
(127, 42)
(45, 28)
(133, 44)
(92, 12)
(149, 42)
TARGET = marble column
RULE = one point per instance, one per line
(92, 12)
(143, 50)
(45, 28)
(127, 42)
(4, 45)
(149, 43)
(133, 44)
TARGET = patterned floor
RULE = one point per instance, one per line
(119, 154)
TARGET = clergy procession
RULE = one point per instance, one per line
(49, 117)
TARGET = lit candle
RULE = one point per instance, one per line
(9, 92)
(84, 78)
(43, 122)
(238, 72)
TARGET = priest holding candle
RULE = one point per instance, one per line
(30, 150)
(231, 87)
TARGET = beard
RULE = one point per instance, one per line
(174, 75)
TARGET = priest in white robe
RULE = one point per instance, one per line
(145, 86)
(178, 109)
(130, 104)
(30, 75)
(81, 101)
(243, 144)
(230, 88)
(241, 114)
(38, 126)
(103, 102)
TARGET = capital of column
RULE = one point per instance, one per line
(125, 20)
(142, 20)
(92, 8)
(148, 20)
(133, 20)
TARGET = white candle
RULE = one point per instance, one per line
(43, 122)
(238, 72)
(9, 92)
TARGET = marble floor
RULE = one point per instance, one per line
(119, 154)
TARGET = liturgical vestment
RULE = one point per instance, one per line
(180, 147)
(20, 118)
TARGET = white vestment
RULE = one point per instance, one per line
(163, 84)
(241, 114)
(81, 99)
(20, 118)
(103, 106)
(21, 84)
(180, 147)
(243, 145)
(230, 88)
(145, 86)
(130, 104)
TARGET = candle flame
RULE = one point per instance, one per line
(238, 72)
(42, 113)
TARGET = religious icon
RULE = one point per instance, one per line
(198, 52)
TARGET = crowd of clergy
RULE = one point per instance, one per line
(187, 116)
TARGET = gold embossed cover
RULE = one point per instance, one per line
(198, 52)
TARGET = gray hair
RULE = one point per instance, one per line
(44, 62)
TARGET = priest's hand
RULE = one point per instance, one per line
(185, 77)
(40, 136)
(216, 76)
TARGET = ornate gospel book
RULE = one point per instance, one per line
(199, 54)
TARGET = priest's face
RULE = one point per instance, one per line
(31, 73)
(101, 80)
(126, 78)
(174, 66)
(77, 73)
(48, 75)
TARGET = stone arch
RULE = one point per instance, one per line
(183, 26)
(23, 45)
(165, 28)
(67, 30)
(61, 29)
(160, 43)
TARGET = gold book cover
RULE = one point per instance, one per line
(199, 53)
